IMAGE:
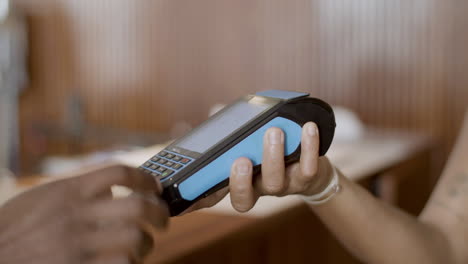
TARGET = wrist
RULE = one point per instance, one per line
(323, 178)
(324, 191)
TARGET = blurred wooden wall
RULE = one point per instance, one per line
(142, 66)
(106, 71)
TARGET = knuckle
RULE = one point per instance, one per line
(275, 161)
(273, 188)
(241, 189)
(304, 182)
(308, 176)
(310, 146)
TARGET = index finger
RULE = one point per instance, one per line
(99, 180)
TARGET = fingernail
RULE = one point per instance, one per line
(242, 169)
(312, 130)
(275, 137)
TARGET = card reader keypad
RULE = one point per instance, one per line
(165, 164)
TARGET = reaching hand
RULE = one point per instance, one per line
(76, 220)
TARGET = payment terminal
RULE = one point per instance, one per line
(199, 163)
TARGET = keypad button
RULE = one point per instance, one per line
(167, 173)
(154, 167)
(185, 161)
(177, 158)
(169, 164)
(170, 156)
(155, 158)
(156, 175)
(161, 169)
(162, 161)
(177, 166)
(147, 164)
(163, 153)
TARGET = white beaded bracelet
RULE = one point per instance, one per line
(331, 190)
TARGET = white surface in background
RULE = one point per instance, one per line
(348, 125)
